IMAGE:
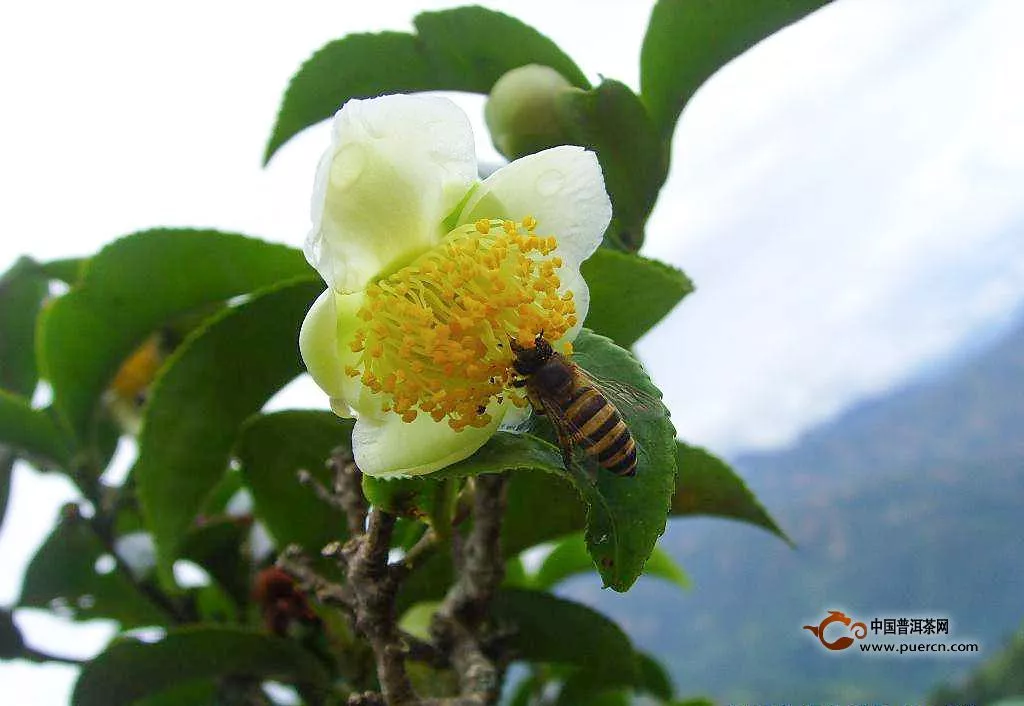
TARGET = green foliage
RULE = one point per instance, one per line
(689, 40)
(708, 486)
(569, 557)
(130, 669)
(125, 294)
(223, 373)
(272, 449)
(230, 308)
(544, 623)
(32, 432)
(999, 679)
(11, 642)
(464, 49)
(68, 576)
(22, 290)
(629, 294)
(612, 121)
(627, 515)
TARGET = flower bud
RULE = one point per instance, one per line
(522, 111)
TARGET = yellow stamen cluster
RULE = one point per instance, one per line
(436, 333)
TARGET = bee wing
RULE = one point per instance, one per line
(629, 400)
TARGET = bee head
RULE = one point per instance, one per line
(528, 360)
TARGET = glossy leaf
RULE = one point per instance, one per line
(66, 576)
(611, 120)
(626, 516)
(222, 374)
(689, 40)
(272, 449)
(570, 557)
(131, 288)
(545, 628)
(32, 432)
(708, 486)
(462, 49)
(629, 294)
(129, 669)
(22, 291)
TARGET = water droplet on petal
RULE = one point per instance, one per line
(550, 182)
(347, 165)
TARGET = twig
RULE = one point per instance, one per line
(348, 489)
(294, 562)
(459, 622)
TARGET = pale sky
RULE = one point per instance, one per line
(848, 196)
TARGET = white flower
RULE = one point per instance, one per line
(430, 272)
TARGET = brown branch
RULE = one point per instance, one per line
(459, 623)
(462, 637)
(348, 489)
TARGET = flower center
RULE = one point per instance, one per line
(436, 337)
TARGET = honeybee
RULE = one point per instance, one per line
(576, 405)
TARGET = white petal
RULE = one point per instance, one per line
(389, 447)
(572, 280)
(563, 188)
(397, 167)
(323, 343)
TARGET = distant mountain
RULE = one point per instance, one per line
(907, 505)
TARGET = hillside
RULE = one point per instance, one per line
(909, 504)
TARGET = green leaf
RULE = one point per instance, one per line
(414, 498)
(22, 291)
(627, 515)
(64, 576)
(11, 643)
(272, 449)
(32, 432)
(583, 691)
(585, 687)
(612, 121)
(129, 669)
(629, 294)
(223, 373)
(570, 557)
(66, 270)
(7, 459)
(217, 546)
(539, 507)
(463, 49)
(708, 486)
(654, 679)
(134, 286)
(545, 628)
(689, 40)
(196, 692)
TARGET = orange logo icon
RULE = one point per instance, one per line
(858, 629)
